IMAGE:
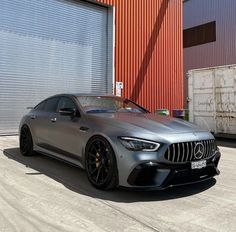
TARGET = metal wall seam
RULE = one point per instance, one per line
(149, 53)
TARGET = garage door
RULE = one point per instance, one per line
(49, 47)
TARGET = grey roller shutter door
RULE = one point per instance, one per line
(49, 47)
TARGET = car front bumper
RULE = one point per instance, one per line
(155, 175)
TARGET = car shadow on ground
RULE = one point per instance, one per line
(75, 179)
(223, 142)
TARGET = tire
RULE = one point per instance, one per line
(26, 141)
(100, 164)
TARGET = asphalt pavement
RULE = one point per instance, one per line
(42, 194)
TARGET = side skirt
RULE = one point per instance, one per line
(72, 160)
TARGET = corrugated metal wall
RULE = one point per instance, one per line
(221, 52)
(148, 54)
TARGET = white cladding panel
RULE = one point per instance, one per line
(212, 98)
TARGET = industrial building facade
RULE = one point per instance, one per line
(53, 46)
(209, 33)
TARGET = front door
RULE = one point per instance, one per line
(65, 131)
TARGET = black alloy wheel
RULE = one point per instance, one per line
(26, 141)
(100, 164)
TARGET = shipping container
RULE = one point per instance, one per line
(212, 99)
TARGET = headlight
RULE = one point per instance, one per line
(135, 144)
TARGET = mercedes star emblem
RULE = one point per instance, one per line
(198, 150)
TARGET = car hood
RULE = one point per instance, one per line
(150, 122)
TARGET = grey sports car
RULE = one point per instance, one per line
(118, 142)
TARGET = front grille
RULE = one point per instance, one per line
(184, 152)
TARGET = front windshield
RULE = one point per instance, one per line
(92, 104)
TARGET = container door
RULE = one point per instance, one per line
(202, 99)
(225, 97)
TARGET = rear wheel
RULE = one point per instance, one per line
(100, 164)
(26, 141)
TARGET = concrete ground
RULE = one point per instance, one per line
(41, 194)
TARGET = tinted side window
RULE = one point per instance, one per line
(40, 106)
(51, 104)
(66, 102)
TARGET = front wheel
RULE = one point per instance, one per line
(26, 141)
(100, 164)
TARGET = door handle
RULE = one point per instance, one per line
(53, 119)
(33, 117)
(83, 128)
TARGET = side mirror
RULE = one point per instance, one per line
(67, 112)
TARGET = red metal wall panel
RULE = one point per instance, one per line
(149, 53)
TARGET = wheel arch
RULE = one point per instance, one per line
(115, 179)
(30, 129)
(99, 135)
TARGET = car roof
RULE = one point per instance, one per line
(82, 95)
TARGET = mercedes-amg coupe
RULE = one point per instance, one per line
(118, 142)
